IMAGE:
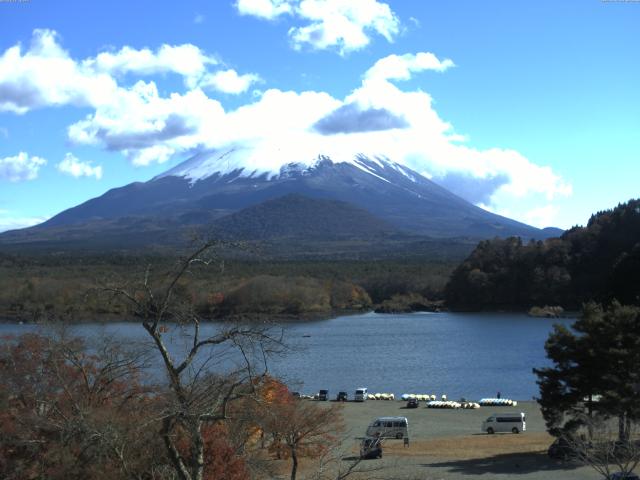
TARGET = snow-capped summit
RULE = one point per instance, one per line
(361, 191)
(243, 163)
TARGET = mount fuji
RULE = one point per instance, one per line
(230, 193)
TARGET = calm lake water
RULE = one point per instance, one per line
(470, 355)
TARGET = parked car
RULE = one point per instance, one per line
(505, 422)
(342, 397)
(323, 395)
(412, 403)
(361, 395)
(371, 447)
(624, 476)
(389, 427)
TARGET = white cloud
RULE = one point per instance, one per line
(278, 127)
(186, 60)
(228, 81)
(20, 167)
(542, 217)
(8, 222)
(345, 25)
(275, 127)
(401, 67)
(71, 165)
(267, 9)
(45, 75)
(148, 128)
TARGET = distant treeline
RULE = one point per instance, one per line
(69, 287)
(598, 262)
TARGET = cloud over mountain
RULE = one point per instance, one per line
(130, 114)
(476, 190)
(350, 118)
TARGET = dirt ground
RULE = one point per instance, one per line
(448, 444)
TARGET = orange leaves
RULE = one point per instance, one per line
(273, 391)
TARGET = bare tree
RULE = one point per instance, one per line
(300, 428)
(211, 372)
(601, 449)
(338, 463)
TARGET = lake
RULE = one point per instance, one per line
(471, 355)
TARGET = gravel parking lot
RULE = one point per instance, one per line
(448, 444)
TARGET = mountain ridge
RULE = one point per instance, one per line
(203, 189)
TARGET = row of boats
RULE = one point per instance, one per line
(497, 402)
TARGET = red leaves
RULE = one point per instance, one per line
(221, 461)
(65, 413)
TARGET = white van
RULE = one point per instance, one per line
(361, 394)
(505, 422)
(389, 427)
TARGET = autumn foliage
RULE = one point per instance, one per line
(68, 411)
(222, 461)
(297, 428)
(65, 413)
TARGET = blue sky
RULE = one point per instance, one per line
(529, 109)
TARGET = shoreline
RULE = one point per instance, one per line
(238, 318)
(258, 317)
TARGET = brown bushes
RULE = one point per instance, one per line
(271, 295)
(48, 289)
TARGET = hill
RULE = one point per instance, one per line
(297, 216)
(363, 198)
(598, 262)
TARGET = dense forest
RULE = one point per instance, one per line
(598, 262)
(36, 288)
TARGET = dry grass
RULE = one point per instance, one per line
(471, 446)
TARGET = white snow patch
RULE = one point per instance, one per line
(243, 162)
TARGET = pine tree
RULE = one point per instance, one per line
(598, 359)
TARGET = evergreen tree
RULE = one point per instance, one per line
(598, 359)
(600, 261)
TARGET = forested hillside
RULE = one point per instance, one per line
(63, 287)
(600, 261)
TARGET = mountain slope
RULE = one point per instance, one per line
(296, 216)
(360, 197)
(213, 185)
